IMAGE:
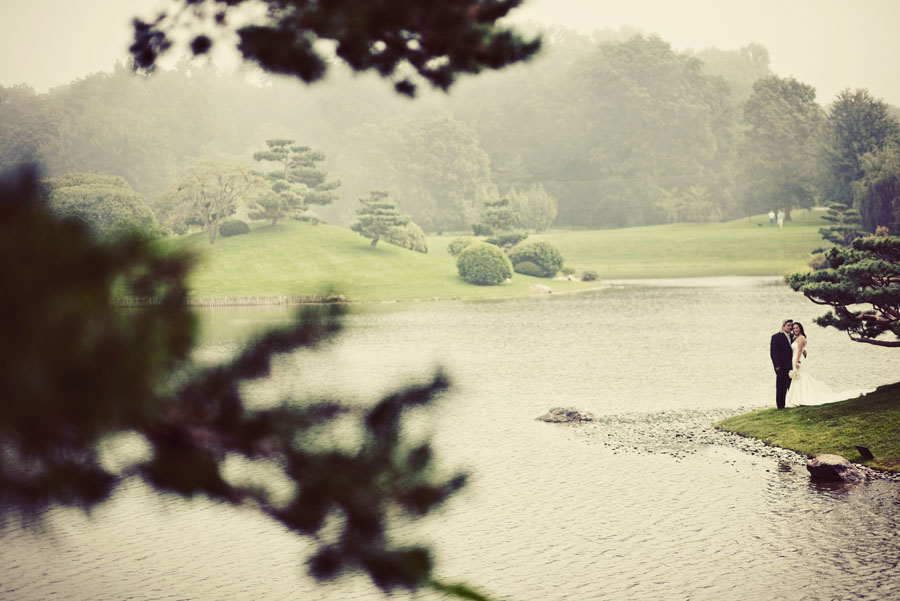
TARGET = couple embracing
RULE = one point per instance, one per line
(795, 386)
(782, 350)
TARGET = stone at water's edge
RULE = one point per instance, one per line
(561, 415)
(833, 468)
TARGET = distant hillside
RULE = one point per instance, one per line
(297, 259)
(294, 259)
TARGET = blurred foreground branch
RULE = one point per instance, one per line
(406, 41)
(79, 372)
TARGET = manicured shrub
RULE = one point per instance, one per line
(233, 227)
(589, 275)
(484, 264)
(309, 217)
(457, 245)
(507, 239)
(409, 236)
(480, 229)
(528, 268)
(543, 254)
(105, 203)
(567, 271)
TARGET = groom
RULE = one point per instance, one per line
(782, 356)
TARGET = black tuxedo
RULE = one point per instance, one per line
(782, 360)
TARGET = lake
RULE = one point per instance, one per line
(646, 503)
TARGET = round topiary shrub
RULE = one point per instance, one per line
(542, 254)
(590, 276)
(457, 245)
(528, 268)
(484, 264)
(409, 236)
(233, 227)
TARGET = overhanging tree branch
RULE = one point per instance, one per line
(402, 40)
(862, 285)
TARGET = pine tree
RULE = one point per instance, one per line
(296, 185)
(846, 225)
(860, 286)
(377, 216)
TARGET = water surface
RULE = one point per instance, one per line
(622, 509)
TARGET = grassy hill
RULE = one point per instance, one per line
(296, 259)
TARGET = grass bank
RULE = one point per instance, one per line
(739, 247)
(872, 421)
(295, 259)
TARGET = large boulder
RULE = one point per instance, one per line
(833, 468)
(561, 415)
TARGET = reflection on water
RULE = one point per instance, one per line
(552, 512)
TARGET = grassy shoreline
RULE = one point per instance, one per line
(871, 421)
(295, 259)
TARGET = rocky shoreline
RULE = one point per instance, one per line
(682, 432)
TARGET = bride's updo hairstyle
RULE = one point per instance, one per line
(800, 325)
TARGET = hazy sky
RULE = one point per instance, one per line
(830, 44)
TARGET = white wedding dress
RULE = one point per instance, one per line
(806, 390)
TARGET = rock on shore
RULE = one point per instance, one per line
(833, 468)
(562, 415)
(680, 433)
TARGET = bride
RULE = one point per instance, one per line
(805, 389)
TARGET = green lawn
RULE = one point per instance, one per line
(740, 247)
(297, 259)
(872, 421)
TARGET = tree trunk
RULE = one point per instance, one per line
(374, 242)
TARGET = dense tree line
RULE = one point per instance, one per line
(610, 130)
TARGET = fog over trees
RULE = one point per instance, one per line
(616, 129)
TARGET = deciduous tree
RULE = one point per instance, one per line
(207, 193)
(783, 119)
(534, 206)
(857, 124)
(877, 192)
(433, 166)
(28, 122)
(106, 203)
(642, 118)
